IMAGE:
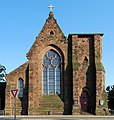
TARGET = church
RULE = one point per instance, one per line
(63, 75)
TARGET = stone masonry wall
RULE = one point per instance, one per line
(86, 52)
(12, 83)
(81, 71)
(100, 82)
(50, 38)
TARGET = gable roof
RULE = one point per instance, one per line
(50, 28)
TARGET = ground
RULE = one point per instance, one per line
(49, 117)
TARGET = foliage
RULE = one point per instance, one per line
(2, 73)
(110, 90)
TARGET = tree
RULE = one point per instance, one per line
(2, 73)
(2, 86)
(110, 90)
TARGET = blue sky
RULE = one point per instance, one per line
(22, 20)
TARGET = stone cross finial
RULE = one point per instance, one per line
(51, 7)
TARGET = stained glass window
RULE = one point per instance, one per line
(51, 73)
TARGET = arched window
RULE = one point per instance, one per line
(20, 87)
(51, 73)
(51, 34)
(85, 60)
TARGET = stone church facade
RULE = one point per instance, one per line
(62, 75)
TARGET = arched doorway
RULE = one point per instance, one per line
(84, 100)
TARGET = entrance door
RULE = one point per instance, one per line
(84, 100)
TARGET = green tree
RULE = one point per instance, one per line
(110, 90)
(2, 73)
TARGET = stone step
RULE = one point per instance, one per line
(50, 104)
(50, 111)
(50, 97)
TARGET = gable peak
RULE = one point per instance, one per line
(51, 15)
(51, 12)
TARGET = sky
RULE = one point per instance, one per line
(22, 20)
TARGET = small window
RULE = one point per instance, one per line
(20, 87)
(85, 60)
(51, 34)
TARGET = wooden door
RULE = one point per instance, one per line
(84, 100)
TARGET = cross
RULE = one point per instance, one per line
(51, 7)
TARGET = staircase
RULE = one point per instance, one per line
(51, 105)
(85, 113)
